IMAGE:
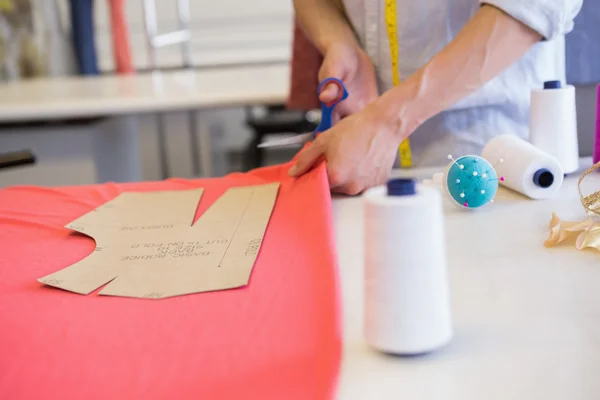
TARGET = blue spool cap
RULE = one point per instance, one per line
(401, 187)
(552, 85)
(543, 178)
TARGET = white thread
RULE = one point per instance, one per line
(522, 161)
(407, 309)
(553, 125)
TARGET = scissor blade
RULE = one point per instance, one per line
(290, 141)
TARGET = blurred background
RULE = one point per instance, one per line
(70, 55)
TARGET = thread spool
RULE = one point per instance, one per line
(553, 123)
(527, 169)
(407, 308)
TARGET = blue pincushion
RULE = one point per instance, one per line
(471, 181)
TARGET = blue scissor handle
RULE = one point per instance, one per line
(327, 108)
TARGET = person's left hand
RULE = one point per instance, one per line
(359, 151)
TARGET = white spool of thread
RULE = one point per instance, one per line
(407, 307)
(526, 169)
(553, 123)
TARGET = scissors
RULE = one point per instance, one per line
(326, 118)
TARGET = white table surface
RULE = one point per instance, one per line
(92, 96)
(526, 318)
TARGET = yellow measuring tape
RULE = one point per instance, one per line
(390, 19)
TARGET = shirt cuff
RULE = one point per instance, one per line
(549, 18)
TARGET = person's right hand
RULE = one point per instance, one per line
(351, 65)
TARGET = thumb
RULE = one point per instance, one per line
(329, 93)
(332, 67)
(306, 159)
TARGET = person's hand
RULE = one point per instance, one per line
(355, 160)
(350, 64)
(359, 150)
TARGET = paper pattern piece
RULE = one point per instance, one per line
(147, 247)
(587, 233)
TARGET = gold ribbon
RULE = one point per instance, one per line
(591, 202)
(587, 232)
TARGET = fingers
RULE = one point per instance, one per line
(307, 159)
(338, 184)
(350, 190)
(355, 185)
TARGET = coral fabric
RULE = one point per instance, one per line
(277, 338)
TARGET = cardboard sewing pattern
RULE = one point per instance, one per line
(147, 247)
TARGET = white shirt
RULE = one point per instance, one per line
(502, 105)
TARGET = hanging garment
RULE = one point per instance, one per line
(82, 31)
(54, 39)
(20, 53)
(120, 38)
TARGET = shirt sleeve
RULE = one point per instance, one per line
(550, 18)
